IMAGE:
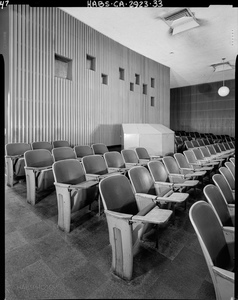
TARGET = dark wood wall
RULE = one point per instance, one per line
(200, 108)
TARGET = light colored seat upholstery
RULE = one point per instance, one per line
(62, 153)
(217, 250)
(14, 158)
(42, 145)
(60, 143)
(39, 175)
(99, 148)
(127, 221)
(73, 191)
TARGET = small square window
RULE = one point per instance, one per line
(104, 78)
(63, 67)
(152, 101)
(121, 74)
(131, 86)
(145, 89)
(91, 62)
(152, 82)
(137, 78)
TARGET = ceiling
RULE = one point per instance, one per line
(189, 54)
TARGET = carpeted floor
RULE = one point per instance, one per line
(42, 262)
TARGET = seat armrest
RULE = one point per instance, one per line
(118, 215)
(38, 168)
(159, 183)
(92, 176)
(177, 175)
(230, 276)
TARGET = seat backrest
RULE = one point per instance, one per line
(228, 176)
(205, 152)
(190, 156)
(226, 146)
(141, 180)
(231, 145)
(231, 167)
(188, 144)
(114, 159)
(195, 143)
(198, 154)
(94, 164)
(211, 150)
(117, 195)
(181, 160)
(171, 165)
(142, 153)
(217, 149)
(38, 158)
(83, 150)
(158, 171)
(42, 145)
(206, 142)
(215, 198)
(232, 160)
(221, 146)
(62, 153)
(200, 142)
(99, 148)
(210, 234)
(60, 143)
(129, 156)
(69, 171)
(13, 149)
(224, 188)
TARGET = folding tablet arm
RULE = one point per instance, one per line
(38, 179)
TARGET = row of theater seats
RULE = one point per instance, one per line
(136, 193)
(214, 223)
(195, 135)
(185, 142)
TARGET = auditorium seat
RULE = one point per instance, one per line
(82, 150)
(216, 200)
(62, 153)
(231, 167)
(95, 168)
(14, 158)
(217, 249)
(143, 154)
(145, 187)
(115, 162)
(99, 148)
(225, 191)
(60, 143)
(229, 178)
(39, 175)
(42, 145)
(73, 191)
(131, 159)
(128, 220)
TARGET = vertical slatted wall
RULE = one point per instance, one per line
(200, 108)
(43, 107)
